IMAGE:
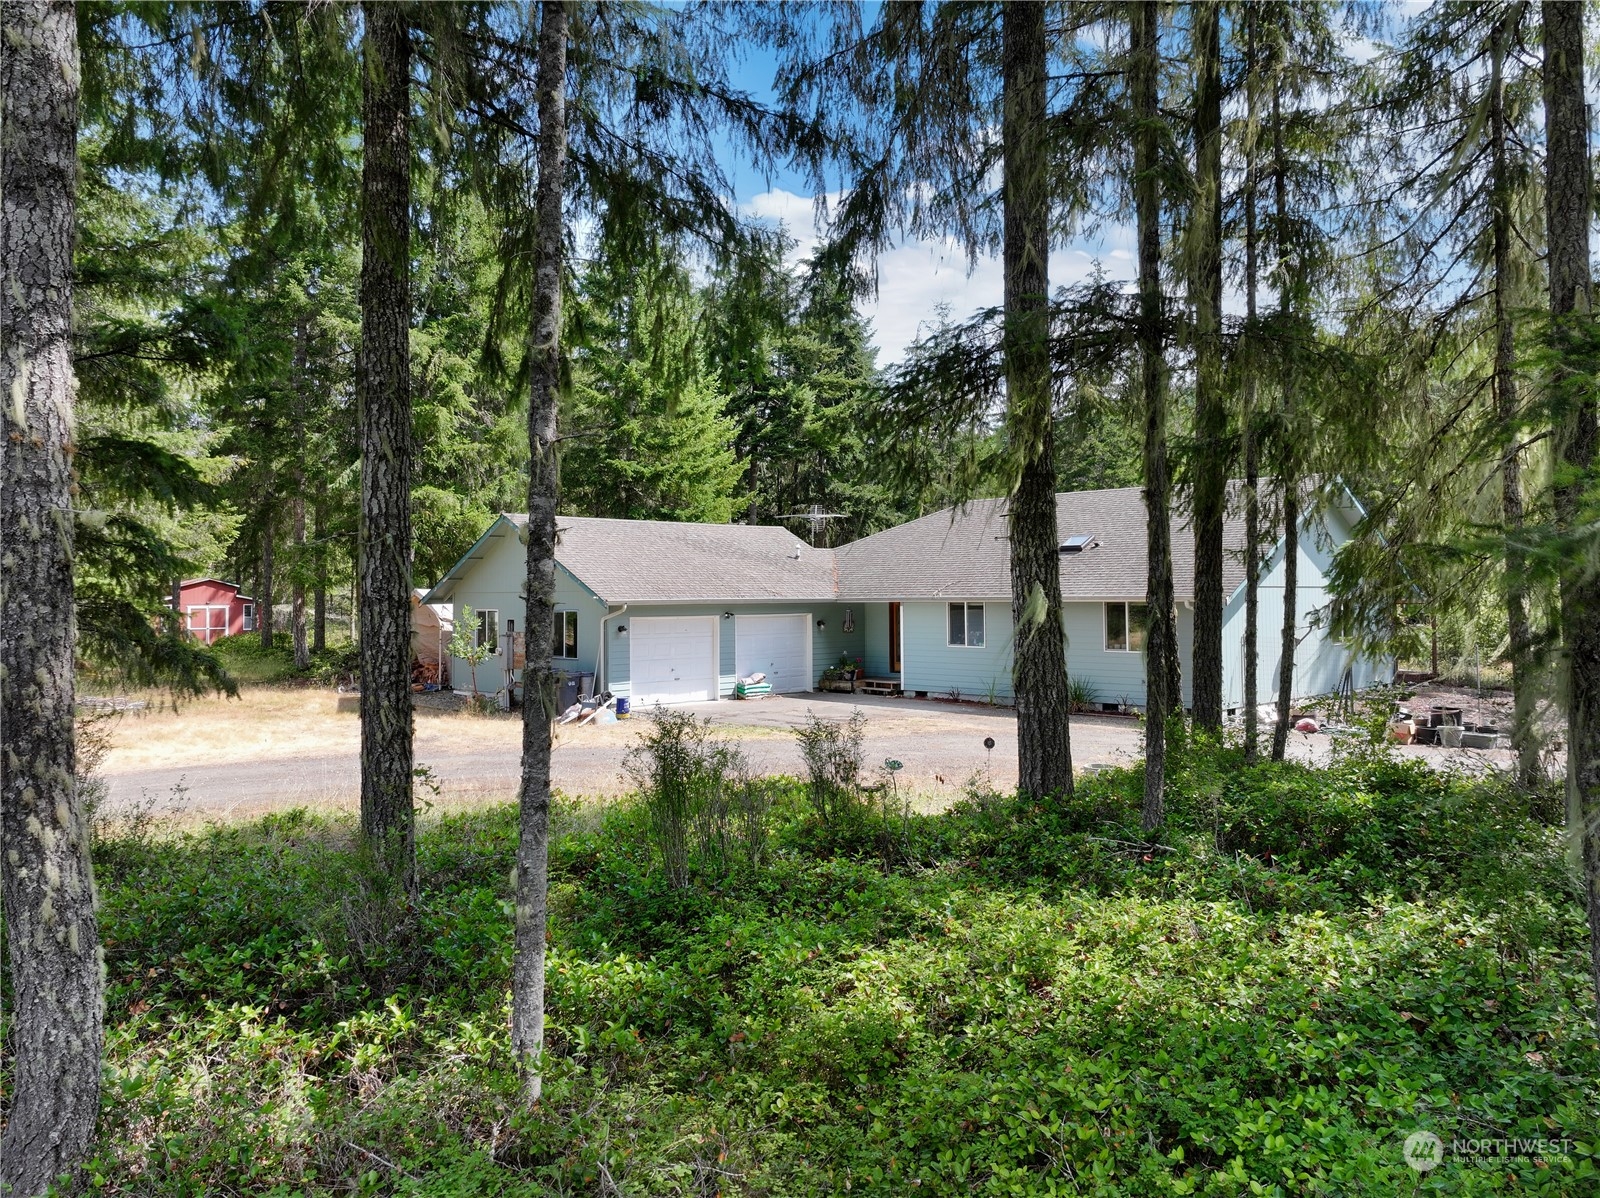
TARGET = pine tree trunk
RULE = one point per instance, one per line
(1288, 477)
(297, 594)
(531, 880)
(387, 822)
(1524, 736)
(1160, 631)
(1568, 210)
(264, 593)
(1252, 465)
(1210, 414)
(297, 505)
(1291, 600)
(1039, 658)
(52, 937)
(319, 594)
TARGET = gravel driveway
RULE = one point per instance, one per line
(475, 760)
(940, 744)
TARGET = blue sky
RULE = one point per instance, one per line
(917, 277)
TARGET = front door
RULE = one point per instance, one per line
(894, 638)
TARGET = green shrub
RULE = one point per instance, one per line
(1081, 696)
(701, 802)
(832, 751)
(247, 659)
(1326, 960)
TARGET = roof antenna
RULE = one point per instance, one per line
(815, 517)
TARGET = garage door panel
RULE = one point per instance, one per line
(778, 646)
(673, 659)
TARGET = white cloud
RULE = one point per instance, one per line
(917, 276)
(796, 213)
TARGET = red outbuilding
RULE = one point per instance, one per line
(213, 608)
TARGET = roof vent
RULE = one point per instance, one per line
(1079, 544)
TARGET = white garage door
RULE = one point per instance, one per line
(777, 646)
(673, 659)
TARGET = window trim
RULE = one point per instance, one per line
(1127, 606)
(966, 632)
(478, 639)
(560, 615)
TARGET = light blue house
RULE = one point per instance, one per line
(659, 611)
(665, 612)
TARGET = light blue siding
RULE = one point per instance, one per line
(1114, 675)
(934, 667)
(1319, 659)
(931, 666)
(572, 595)
(1186, 652)
(495, 584)
(830, 644)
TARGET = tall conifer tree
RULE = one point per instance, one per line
(1569, 207)
(1249, 389)
(46, 883)
(387, 819)
(1144, 70)
(530, 890)
(1204, 252)
(1039, 665)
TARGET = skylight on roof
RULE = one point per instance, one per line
(1078, 544)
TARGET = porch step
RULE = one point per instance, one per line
(877, 686)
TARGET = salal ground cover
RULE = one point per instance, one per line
(999, 999)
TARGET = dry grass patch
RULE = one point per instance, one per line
(271, 723)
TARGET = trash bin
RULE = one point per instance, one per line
(586, 683)
(567, 692)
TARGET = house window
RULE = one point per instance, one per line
(488, 631)
(565, 641)
(249, 617)
(966, 625)
(1125, 624)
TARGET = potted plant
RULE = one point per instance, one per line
(834, 679)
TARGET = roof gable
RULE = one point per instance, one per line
(660, 561)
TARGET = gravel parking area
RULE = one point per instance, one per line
(476, 758)
(278, 749)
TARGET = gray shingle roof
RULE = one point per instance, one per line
(656, 561)
(958, 553)
(961, 553)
